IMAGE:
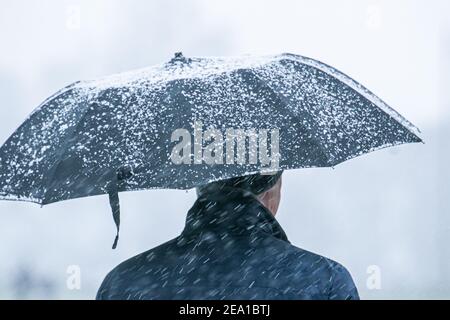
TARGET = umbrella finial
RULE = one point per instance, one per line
(179, 57)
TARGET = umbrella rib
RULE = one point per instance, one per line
(283, 101)
(359, 88)
(37, 109)
(63, 152)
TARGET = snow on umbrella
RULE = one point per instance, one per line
(191, 121)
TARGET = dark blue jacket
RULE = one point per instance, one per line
(231, 248)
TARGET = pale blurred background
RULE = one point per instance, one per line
(384, 215)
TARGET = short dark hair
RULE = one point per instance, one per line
(255, 183)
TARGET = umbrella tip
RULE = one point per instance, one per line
(179, 57)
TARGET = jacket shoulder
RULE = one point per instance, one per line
(335, 280)
(342, 284)
(126, 271)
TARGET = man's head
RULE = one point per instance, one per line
(271, 198)
(266, 188)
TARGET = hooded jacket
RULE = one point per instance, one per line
(232, 247)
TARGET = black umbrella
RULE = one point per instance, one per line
(192, 121)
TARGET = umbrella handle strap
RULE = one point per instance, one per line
(115, 207)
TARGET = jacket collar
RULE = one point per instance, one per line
(232, 210)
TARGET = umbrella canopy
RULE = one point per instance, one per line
(191, 121)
